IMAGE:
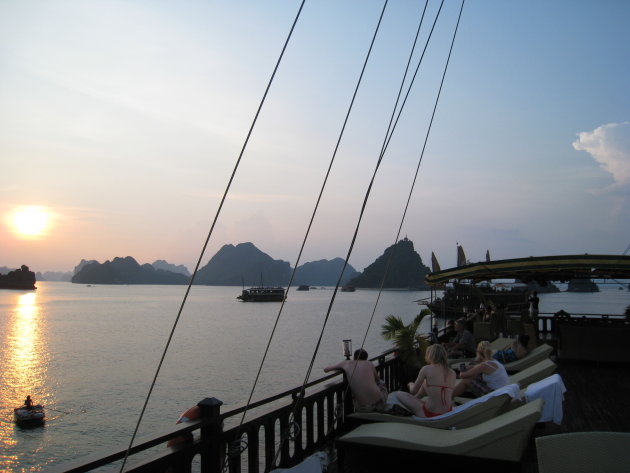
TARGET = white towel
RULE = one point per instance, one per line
(316, 463)
(551, 390)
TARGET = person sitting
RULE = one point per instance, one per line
(449, 333)
(28, 402)
(435, 381)
(482, 376)
(369, 393)
(463, 345)
(517, 350)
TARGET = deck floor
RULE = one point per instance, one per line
(596, 400)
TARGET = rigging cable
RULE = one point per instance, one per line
(386, 141)
(413, 184)
(341, 133)
(384, 147)
(205, 245)
(319, 197)
(332, 300)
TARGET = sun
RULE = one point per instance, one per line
(30, 222)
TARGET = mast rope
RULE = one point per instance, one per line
(388, 135)
(350, 249)
(413, 184)
(210, 232)
(312, 219)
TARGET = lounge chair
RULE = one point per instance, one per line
(537, 354)
(533, 373)
(582, 452)
(502, 438)
(524, 378)
(469, 414)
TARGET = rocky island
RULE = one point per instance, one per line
(21, 278)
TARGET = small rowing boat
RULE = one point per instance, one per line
(29, 417)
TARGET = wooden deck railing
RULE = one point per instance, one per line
(281, 434)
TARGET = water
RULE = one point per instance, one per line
(90, 353)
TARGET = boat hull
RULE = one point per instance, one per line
(29, 417)
(262, 294)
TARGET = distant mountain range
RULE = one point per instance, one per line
(243, 264)
(125, 271)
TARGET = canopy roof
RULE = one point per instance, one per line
(541, 269)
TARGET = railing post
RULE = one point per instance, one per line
(211, 451)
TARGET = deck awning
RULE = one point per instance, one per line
(541, 269)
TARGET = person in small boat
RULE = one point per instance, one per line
(482, 376)
(369, 393)
(28, 402)
(517, 350)
(463, 345)
(436, 381)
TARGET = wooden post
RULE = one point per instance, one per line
(211, 451)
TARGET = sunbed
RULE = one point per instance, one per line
(537, 354)
(504, 438)
(472, 413)
(533, 373)
(582, 452)
(524, 378)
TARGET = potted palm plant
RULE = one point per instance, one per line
(410, 345)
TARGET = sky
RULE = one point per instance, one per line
(121, 123)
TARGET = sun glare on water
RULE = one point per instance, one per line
(29, 222)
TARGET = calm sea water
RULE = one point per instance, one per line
(90, 353)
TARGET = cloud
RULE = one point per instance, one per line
(609, 145)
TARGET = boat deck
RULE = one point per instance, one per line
(596, 400)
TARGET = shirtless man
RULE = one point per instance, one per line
(368, 391)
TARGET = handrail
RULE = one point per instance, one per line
(317, 419)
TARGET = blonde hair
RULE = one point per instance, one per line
(436, 354)
(483, 348)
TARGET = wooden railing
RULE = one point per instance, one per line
(286, 429)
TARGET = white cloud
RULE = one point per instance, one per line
(609, 145)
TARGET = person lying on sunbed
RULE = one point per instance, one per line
(435, 381)
(517, 350)
(482, 376)
(369, 393)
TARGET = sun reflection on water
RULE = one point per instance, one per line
(24, 361)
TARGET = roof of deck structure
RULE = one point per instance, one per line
(540, 269)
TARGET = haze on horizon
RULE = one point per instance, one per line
(120, 123)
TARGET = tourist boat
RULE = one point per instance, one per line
(348, 289)
(32, 417)
(461, 298)
(303, 287)
(262, 294)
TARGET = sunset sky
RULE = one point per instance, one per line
(121, 122)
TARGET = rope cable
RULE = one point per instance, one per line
(359, 81)
(390, 127)
(413, 184)
(310, 224)
(388, 135)
(205, 245)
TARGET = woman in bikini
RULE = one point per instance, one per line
(484, 375)
(435, 381)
